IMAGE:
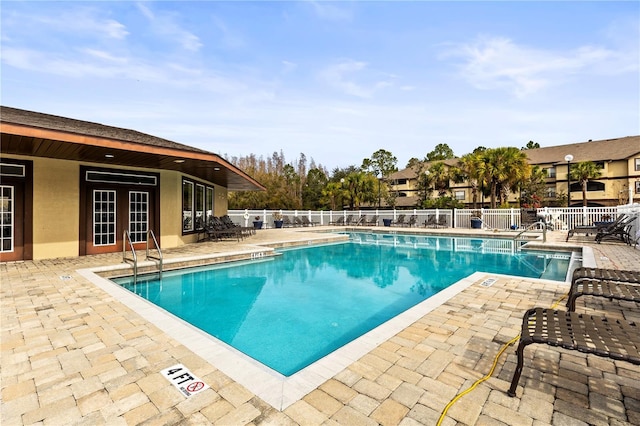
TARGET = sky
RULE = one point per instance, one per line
(335, 81)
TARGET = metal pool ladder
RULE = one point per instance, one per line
(540, 223)
(157, 258)
(126, 238)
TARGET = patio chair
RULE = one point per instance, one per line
(399, 220)
(609, 283)
(373, 221)
(338, 221)
(214, 229)
(431, 221)
(595, 228)
(442, 222)
(621, 231)
(246, 230)
(286, 221)
(298, 222)
(411, 221)
(307, 222)
(609, 338)
(349, 221)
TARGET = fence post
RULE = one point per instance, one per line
(454, 219)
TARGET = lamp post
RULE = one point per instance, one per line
(568, 158)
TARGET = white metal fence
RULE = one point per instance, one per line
(558, 218)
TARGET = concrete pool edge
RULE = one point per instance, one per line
(277, 390)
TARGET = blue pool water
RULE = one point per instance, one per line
(291, 310)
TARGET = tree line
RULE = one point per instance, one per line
(492, 172)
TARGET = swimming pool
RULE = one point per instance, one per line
(293, 309)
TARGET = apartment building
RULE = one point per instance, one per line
(619, 183)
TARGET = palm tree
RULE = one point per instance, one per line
(584, 172)
(472, 167)
(439, 176)
(505, 169)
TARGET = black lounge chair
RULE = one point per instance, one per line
(245, 230)
(350, 220)
(399, 220)
(621, 231)
(298, 222)
(594, 229)
(373, 221)
(214, 229)
(431, 221)
(307, 222)
(286, 222)
(338, 221)
(609, 283)
(411, 221)
(615, 339)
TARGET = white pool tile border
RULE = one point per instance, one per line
(272, 387)
(275, 389)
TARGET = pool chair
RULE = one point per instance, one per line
(286, 221)
(411, 221)
(350, 220)
(598, 335)
(595, 228)
(214, 230)
(298, 222)
(245, 230)
(608, 283)
(399, 220)
(373, 221)
(620, 231)
(431, 221)
(338, 221)
(307, 222)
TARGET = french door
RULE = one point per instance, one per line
(113, 207)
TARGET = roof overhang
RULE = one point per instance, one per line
(19, 139)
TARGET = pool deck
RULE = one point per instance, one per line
(74, 353)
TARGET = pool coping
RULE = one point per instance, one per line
(272, 387)
(275, 389)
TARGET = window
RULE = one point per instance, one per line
(459, 195)
(209, 206)
(104, 218)
(187, 206)
(591, 186)
(138, 216)
(401, 181)
(637, 164)
(551, 193)
(551, 172)
(197, 205)
(637, 187)
(6, 218)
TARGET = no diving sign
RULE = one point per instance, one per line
(182, 379)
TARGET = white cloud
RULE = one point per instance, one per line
(288, 67)
(165, 25)
(329, 11)
(101, 54)
(499, 63)
(341, 76)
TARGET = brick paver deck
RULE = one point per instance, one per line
(73, 354)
